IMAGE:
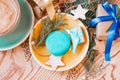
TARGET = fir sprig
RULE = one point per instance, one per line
(118, 12)
(91, 53)
(47, 27)
(92, 6)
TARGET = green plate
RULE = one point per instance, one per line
(22, 29)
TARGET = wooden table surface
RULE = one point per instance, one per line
(18, 64)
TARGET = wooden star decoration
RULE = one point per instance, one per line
(76, 34)
(55, 61)
(79, 12)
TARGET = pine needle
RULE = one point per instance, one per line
(92, 6)
(47, 27)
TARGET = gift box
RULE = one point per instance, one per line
(107, 23)
(102, 27)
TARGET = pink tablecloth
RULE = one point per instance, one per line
(18, 64)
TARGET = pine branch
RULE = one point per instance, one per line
(47, 27)
(92, 6)
(91, 53)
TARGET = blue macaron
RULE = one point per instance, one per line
(58, 43)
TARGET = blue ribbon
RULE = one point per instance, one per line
(113, 31)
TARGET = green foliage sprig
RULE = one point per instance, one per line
(47, 27)
(118, 12)
(90, 57)
(92, 6)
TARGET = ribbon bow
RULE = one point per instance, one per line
(113, 31)
(77, 37)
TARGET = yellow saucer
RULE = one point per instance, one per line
(69, 59)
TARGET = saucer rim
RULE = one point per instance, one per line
(27, 35)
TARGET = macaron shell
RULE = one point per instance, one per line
(58, 43)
